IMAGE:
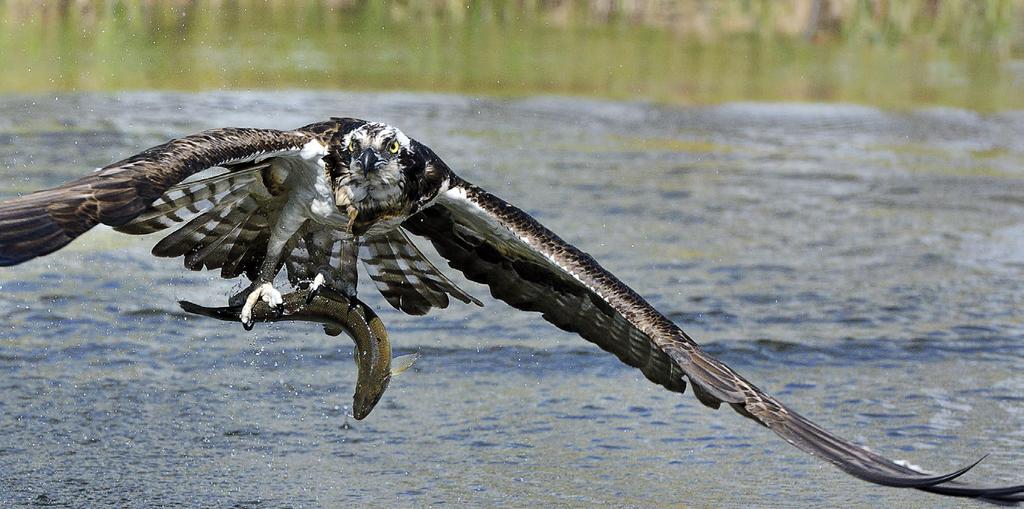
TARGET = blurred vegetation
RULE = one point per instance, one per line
(889, 53)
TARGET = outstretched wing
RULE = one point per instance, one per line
(45, 221)
(531, 268)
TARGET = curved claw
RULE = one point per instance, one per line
(266, 293)
(248, 325)
(279, 311)
(314, 288)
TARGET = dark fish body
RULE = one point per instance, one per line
(338, 314)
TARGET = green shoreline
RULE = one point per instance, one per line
(915, 54)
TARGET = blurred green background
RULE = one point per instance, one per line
(891, 54)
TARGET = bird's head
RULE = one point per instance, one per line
(381, 171)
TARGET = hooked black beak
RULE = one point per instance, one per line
(368, 160)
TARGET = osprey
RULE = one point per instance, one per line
(312, 198)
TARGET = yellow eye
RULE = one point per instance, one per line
(351, 145)
(393, 147)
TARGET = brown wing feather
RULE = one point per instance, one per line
(40, 223)
(531, 268)
(406, 279)
(193, 197)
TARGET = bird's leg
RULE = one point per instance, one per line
(346, 287)
(349, 270)
(265, 292)
(262, 288)
(346, 276)
(323, 283)
(353, 214)
(314, 287)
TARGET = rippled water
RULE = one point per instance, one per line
(863, 266)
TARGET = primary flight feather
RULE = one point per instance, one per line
(316, 198)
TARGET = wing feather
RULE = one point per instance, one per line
(194, 234)
(531, 268)
(247, 252)
(214, 254)
(186, 199)
(405, 277)
(42, 222)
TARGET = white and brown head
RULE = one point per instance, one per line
(380, 172)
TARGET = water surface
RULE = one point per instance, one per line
(863, 266)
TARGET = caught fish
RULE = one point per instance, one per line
(338, 314)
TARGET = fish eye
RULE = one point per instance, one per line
(393, 147)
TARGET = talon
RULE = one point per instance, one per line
(279, 311)
(246, 316)
(266, 293)
(314, 288)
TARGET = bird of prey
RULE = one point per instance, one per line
(313, 199)
(310, 198)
